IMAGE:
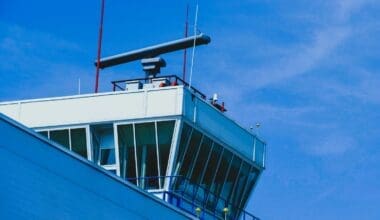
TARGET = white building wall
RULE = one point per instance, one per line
(94, 108)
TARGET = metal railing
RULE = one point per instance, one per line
(190, 202)
(173, 79)
(194, 208)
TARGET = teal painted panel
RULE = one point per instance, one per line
(226, 130)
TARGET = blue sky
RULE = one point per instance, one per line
(308, 71)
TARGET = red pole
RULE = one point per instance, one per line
(185, 51)
(99, 47)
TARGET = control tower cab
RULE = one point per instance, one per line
(157, 133)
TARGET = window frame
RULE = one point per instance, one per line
(173, 144)
(57, 128)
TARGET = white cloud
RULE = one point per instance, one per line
(323, 195)
(299, 60)
(288, 62)
(40, 61)
(330, 145)
(33, 39)
(347, 7)
(302, 58)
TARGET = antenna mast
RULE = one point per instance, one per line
(192, 57)
(185, 51)
(99, 46)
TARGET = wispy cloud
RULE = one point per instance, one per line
(331, 145)
(288, 62)
(299, 60)
(38, 60)
(364, 88)
(302, 58)
(306, 68)
(324, 195)
(347, 7)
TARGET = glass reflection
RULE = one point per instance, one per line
(240, 185)
(78, 141)
(61, 137)
(146, 155)
(141, 147)
(103, 144)
(164, 134)
(251, 183)
(189, 157)
(127, 153)
(211, 174)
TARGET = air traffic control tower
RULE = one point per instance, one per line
(157, 133)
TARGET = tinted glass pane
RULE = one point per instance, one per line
(242, 180)
(61, 137)
(107, 145)
(232, 177)
(107, 156)
(195, 190)
(212, 165)
(211, 201)
(165, 134)
(190, 153)
(44, 133)
(184, 142)
(185, 135)
(259, 152)
(251, 182)
(127, 153)
(78, 141)
(189, 162)
(228, 185)
(103, 144)
(201, 160)
(217, 185)
(95, 147)
(147, 155)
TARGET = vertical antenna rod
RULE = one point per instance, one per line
(99, 46)
(192, 57)
(185, 51)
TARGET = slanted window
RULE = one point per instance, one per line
(127, 153)
(73, 139)
(190, 154)
(164, 134)
(103, 144)
(144, 150)
(61, 137)
(107, 149)
(252, 178)
(78, 141)
(44, 133)
(241, 184)
(202, 157)
(211, 174)
(147, 155)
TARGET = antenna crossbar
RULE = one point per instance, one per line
(153, 51)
